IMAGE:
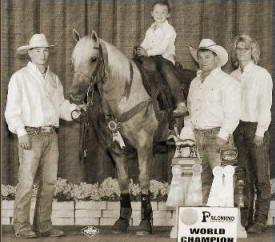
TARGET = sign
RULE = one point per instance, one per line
(207, 224)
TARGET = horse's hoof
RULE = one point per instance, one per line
(120, 226)
(141, 233)
(144, 228)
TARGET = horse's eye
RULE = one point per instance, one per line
(93, 59)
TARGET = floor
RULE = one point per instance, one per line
(161, 234)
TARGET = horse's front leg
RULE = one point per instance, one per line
(145, 157)
(122, 224)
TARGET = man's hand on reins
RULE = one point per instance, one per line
(79, 109)
(83, 107)
(24, 142)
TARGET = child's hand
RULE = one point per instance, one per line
(141, 51)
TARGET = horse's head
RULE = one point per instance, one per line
(87, 64)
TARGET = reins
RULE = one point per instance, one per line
(99, 75)
(90, 91)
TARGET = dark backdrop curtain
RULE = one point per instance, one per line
(123, 23)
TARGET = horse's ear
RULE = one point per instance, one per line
(76, 35)
(94, 36)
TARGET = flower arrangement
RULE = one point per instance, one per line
(159, 190)
(108, 190)
(86, 192)
(63, 190)
(8, 192)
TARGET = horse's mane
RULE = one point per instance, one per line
(118, 62)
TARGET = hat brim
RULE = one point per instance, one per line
(217, 49)
(24, 49)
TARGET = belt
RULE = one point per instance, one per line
(247, 123)
(38, 130)
(208, 131)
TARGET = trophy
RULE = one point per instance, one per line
(194, 190)
(229, 161)
(228, 186)
(215, 196)
(185, 187)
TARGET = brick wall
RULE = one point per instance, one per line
(103, 213)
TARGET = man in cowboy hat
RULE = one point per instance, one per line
(214, 107)
(35, 102)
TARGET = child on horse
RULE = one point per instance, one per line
(159, 43)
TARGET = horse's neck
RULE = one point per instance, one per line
(122, 90)
(117, 73)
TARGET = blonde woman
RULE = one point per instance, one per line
(252, 136)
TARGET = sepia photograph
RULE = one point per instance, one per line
(137, 120)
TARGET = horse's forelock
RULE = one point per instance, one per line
(117, 62)
(84, 49)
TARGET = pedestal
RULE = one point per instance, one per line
(174, 230)
(186, 165)
(241, 232)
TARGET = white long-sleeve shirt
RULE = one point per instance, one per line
(256, 84)
(35, 101)
(160, 40)
(215, 102)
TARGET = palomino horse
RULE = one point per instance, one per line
(123, 95)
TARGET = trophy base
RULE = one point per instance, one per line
(174, 232)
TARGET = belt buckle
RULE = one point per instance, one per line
(37, 131)
(33, 130)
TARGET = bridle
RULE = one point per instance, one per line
(99, 75)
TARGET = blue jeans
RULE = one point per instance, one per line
(210, 157)
(255, 161)
(41, 160)
(168, 73)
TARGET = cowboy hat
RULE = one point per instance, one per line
(208, 44)
(36, 41)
